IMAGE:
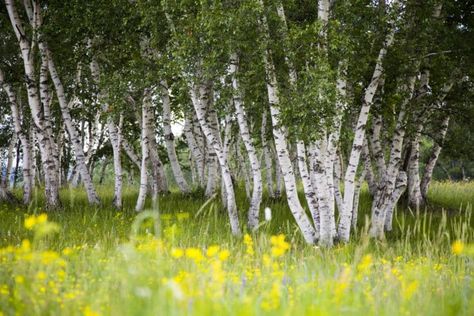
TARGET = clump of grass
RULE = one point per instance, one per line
(84, 260)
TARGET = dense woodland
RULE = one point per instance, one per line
(271, 96)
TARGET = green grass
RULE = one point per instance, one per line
(98, 261)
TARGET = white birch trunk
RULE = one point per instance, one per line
(145, 139)
(267, 156)
(196, 151)
(430, 165)
(281, 144)
(389, 180)
(254, 209)
(344, 228)
(46, 147)
(169, 139)
(308, 186)
(415, 199)
(73, 135)
(200, 100)
(24, 140)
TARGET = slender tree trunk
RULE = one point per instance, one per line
(11, 148)
(254, 210)
(169, 139)
(200, 100)
(308, 186)
(415, 199)
(145, 139)
(349, 179)
(281, 144)
(74, 137)
(196, 151)
(267, 156)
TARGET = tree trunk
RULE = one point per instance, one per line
(281, 144)
(169, 139)
(46, 147)
(74, 137)
(345, 220)
(267, 156)
(145, 139)
(254, 210)
(430, 165)
(200, 100)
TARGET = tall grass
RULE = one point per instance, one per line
(175, 261)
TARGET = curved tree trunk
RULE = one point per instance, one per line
(200, 100)
(254, 210)
(169, 139)
(281, 144)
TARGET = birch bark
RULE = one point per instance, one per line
(200, 100)
(349, 179)
(169, 139)
(254, 209)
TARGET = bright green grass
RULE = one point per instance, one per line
(96, 264)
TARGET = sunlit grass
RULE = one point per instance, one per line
(83, 260)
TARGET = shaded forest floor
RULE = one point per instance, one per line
(84, 260)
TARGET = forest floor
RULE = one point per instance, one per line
(83, 260)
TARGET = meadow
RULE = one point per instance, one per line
(179, 258)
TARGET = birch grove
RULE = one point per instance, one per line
(265, 99)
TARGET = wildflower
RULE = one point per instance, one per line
(4, 290)
(30, 222)
(41, 275)
(409, 289)
(194, 253)
(457, 247)
(89, 312)
(279, 245)
(19, 279)
(249, 245)
(67, 251)
(365, 264)
(177, 253)
(271, 299)
(212, 251)
(224, 255)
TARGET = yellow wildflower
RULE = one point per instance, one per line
(457, 247)
(409, 289)
(224, 255)
(212, 251)
(41, 275)
(279, 245)
(194, 253)
(30, 222)
(249, 245)
(177, 253)
(89, 312)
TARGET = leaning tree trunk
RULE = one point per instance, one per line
(430, 165)
(169, 139)
(254, 210)
(281, 145)
(73, 135)
(345, 220)
(200, 100)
